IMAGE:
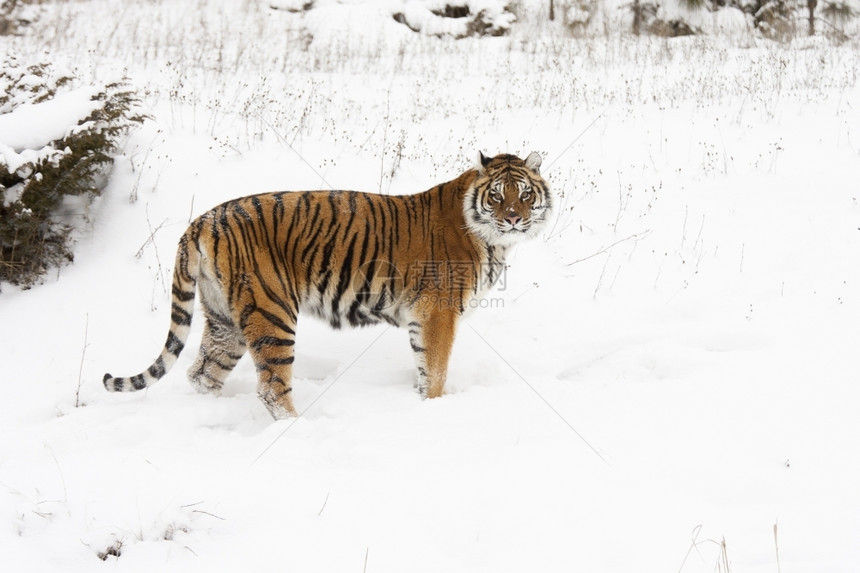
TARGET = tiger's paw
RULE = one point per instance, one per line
(280, 413)
(204, 385)
(280, 409)
(422, 389)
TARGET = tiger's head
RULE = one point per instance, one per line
(508, 200)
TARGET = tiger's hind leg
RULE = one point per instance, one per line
(221, 348)
(271, 334)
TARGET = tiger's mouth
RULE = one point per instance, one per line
(517, 228)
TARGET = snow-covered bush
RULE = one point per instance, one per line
(775, 19)
(672, 18)
(838, 14)
(56, 138)
(578, 15)
(291, 5)
(841, 10)
(456, 18)
(780, 20)
(15, 16)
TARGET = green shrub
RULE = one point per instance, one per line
(35, 180)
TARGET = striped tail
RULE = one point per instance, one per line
(184, 285)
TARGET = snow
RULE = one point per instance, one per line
(28, 130)
(672, 365)
(33, 126)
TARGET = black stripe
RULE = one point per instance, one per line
(325, 263)
(271, 341)
(240, 210)
(174, 345)
(218, 383)
(313, 227)
(364, 244)
(280, 361)
(182, 295)
(274, 319)
(345, 276)
(138, 382)
(223, 366)
(370, 204)
(217, 223)
(247, 311)
(217, 321)
(392, 284)
(180, 315)
(284, 392)
(363, 295)
(157, 369)
(279, 209)
(209, 360)
(354, 315)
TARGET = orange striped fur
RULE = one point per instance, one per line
(350, 258)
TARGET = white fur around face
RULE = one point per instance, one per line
(483, 222)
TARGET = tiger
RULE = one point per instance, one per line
(350, 258)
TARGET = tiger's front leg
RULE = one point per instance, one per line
(432, 338)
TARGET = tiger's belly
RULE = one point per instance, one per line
(355, 311)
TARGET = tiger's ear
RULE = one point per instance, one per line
(483, 161)
(533, 161)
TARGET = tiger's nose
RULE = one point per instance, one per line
(513, 218)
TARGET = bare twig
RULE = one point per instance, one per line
(776, 545)
(150, 238)
(134, 195)
(684, 228)
(622, 202)
(385, 132)
(600, 278)
(325, 501)
(519, 296)
(694, 544)
(81, 368)
(207, 513)
(723, 562)
(62, 476)
(191, 210)
(635, 236)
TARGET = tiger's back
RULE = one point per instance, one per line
(351, 258)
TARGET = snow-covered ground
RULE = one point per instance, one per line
(668, 380)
